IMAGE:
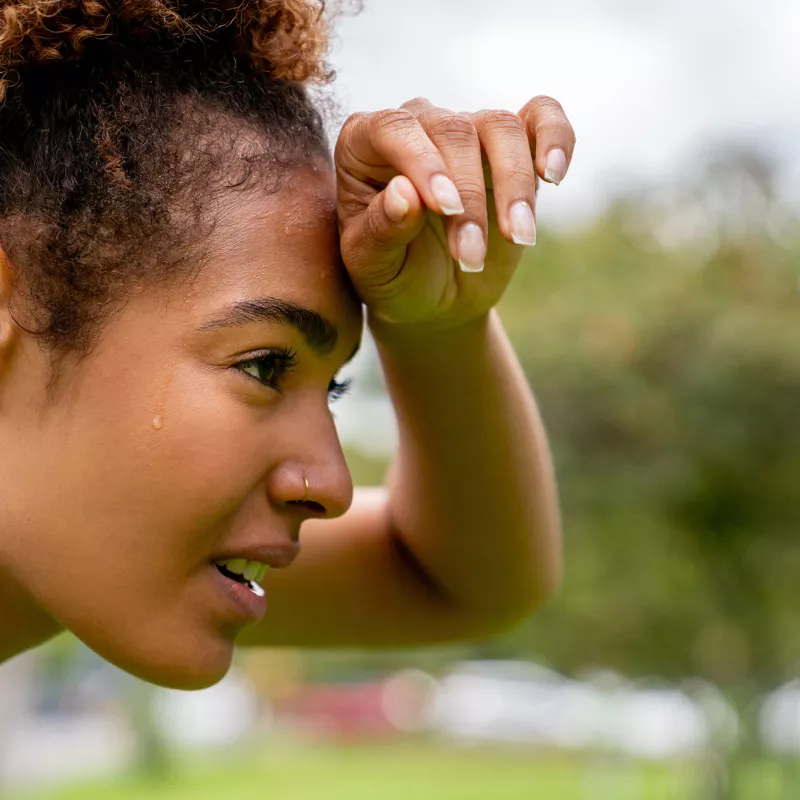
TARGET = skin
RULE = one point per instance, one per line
(160, 451)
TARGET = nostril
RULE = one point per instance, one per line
(312, 505)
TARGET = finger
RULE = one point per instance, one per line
(459, 145)
(418, 106)
(376, 147)
(551, 135)
(505, 142)
(376, 240)
(457, 140)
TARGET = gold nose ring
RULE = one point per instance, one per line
(305, 481)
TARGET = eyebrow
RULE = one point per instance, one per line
(320, 334)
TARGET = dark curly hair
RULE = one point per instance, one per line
(118, 119)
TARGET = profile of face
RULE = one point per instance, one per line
(183, 440)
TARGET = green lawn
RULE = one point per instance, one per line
(396, 772)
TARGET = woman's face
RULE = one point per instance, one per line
(183, 440)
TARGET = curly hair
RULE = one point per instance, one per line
(117, 117)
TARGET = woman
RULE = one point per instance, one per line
(176, 300)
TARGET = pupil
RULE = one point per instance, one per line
(262, 369)
(266, 370)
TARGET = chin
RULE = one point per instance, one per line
(189, 665)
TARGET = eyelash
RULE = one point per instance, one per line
(283, 361)
(338, 389)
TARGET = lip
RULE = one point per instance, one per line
(275, 556)
(241, 605)
(246, 607)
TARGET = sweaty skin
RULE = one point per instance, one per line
(167, 448)
(116, 522)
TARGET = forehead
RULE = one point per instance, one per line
(282, 244)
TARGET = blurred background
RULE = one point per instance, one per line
(658, 320)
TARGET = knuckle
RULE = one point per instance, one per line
(344, 142)
(519, 173)
(353, 119)
(557, 128)
(392, 119)
(454, 126)
(472, 194)
(546, 103)
(502, 120)
(416, 102)
(544, 113)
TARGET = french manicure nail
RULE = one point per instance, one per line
(556, 166)
(446, 194)
(471, 248)
(523, 225)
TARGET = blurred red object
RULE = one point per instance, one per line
(338, 711)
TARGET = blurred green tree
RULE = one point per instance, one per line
(668, 377)
(663, 346)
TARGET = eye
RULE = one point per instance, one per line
(338, 389)
(269, 367)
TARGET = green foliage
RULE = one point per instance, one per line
(669, 380)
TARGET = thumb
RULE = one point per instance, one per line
(374, 242)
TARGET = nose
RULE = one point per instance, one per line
(313, 480)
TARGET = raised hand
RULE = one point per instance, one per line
(435, 206)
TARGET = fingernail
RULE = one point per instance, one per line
(396, 205)
(471, 248)
(523, 225)
(556, 166)
(446, 194)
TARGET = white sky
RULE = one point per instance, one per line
(647, 85)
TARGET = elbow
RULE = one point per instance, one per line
(504, 614)
(514, 594)
(502, 597)
(501, 608)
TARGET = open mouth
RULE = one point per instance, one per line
(247, 573)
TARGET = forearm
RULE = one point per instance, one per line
(472, 495)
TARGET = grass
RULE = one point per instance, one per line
(388, 772)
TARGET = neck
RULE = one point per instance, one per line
(23, 623)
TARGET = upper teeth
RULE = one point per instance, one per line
(249, 570)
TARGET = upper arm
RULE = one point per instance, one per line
(354, 584)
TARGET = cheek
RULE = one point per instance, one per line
(139, 478)
(124, 517)
(183, 437)
(143, 458)
(211, 443)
